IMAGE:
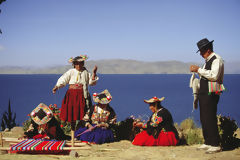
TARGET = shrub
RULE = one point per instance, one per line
(227, 128)
(189, 133)
(8, 119)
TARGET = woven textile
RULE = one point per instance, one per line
(38, 145)
(215, 87)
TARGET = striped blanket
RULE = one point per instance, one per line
(38, 145)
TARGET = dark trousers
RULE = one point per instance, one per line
(208, 117)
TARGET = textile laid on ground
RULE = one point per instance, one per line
(38, 145)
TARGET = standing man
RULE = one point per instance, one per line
(212, 71)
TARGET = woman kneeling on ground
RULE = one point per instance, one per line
(159, 129)
(98, 121)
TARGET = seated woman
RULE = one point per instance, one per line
(159, 130)
(98, 121)
(44, 125)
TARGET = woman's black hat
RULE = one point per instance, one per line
(203, 43)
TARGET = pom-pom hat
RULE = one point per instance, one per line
(78, 59)
(154, 99)
(103, 97)
(41, 114)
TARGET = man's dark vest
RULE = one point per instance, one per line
(204, 81)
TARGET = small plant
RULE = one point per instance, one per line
(8, 119)
(189, 133)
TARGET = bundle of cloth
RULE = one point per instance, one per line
(195, 85)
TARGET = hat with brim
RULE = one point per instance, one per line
(80, 58)
(203, 43)
(103, 97)
(154, 99)
(41, 114)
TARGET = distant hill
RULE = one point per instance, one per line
(120, 66)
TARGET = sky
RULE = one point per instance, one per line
(48, 32)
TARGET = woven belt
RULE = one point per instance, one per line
(75, 86)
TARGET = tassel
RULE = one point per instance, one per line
(78, 76)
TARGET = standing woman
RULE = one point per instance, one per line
(159, 130)
(77, 99)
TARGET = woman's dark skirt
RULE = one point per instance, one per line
(98, 135)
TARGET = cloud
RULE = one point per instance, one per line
(1, 48)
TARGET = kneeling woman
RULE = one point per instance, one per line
(159, 130)
(98, 121)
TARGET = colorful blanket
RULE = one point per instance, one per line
(38, 145)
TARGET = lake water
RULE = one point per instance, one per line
(128, 91)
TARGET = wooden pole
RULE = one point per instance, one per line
(72, 132)
(72, 135)
(1, 139)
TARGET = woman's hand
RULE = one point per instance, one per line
(94, 72)
(138, 124)
(90, 127)
(102, 125)
(54, 89)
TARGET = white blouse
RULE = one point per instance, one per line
(73, 76)
(217, 69)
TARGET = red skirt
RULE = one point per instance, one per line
(164, 139)
(73, 105)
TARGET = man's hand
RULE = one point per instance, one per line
(194, 68)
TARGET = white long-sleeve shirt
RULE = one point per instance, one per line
(217, 69)
(73, 76)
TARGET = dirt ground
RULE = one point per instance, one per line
(124, 150)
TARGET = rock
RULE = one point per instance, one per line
(18, 130)
(73, 154)
(7, 130)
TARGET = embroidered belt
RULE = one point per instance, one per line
(75, 86)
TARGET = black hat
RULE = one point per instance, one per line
(203, 43)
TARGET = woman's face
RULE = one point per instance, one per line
(152, 107)
(79, 65)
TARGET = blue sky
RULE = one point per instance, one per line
(48, 32)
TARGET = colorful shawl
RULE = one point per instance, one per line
(38, 145)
